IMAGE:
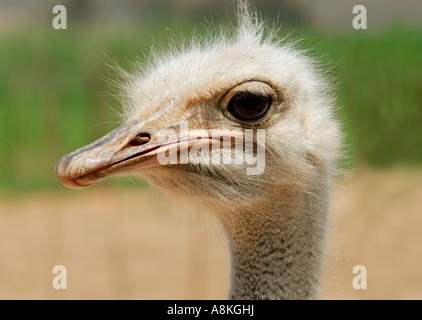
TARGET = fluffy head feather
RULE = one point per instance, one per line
(186, 84)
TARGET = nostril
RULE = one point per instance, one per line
(141, 138)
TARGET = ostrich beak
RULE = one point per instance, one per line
(124, 150)
(120, 151)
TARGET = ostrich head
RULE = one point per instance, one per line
(197, 103)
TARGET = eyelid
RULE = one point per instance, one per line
(254, 87)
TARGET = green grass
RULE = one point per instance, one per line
(380, 92)
(53, 98)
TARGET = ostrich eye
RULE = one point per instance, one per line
(251, 103)
(247, 106)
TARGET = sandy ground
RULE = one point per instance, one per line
(128, 244)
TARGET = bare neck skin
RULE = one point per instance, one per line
(279, 258)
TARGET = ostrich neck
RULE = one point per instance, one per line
(279, 258)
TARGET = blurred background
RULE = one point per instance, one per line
(119, 239)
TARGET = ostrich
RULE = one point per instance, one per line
(275, 220)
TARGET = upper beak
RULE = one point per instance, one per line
(126, 149)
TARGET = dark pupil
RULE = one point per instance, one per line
(248, 106)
